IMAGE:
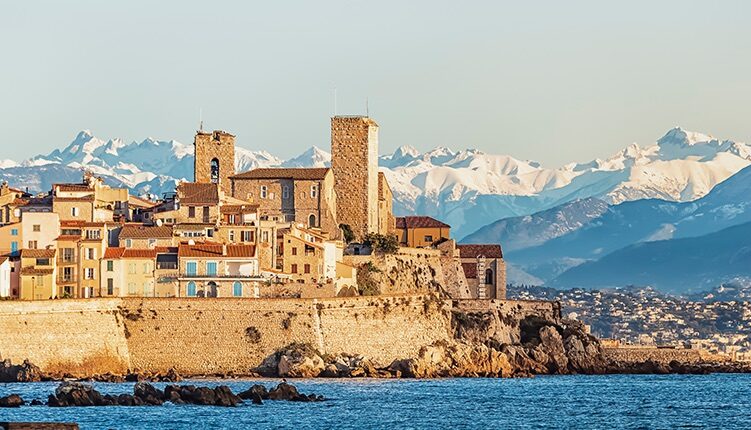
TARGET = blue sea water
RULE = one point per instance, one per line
(719, 401)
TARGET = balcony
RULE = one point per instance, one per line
(67, 279)
(66, 260)
(166, 265)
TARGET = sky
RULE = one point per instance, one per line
(550, 81)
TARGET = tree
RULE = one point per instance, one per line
(349, 236)
(382, 243)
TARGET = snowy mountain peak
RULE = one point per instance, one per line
(682, 137)
(312, 157)
(406, 151)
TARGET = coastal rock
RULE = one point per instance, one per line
(300, 366)
(171, 376)
(285, 391)
(11, 401)
(257, 391)
(75, 394)
(225, 397)
(551, 345)
(149, 394)
(25, 372)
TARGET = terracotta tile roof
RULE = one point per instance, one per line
(193, 193)
(139, 202)
(117, 253)
(239, 209)
(407, 222)
(470, 270)
(76, 223)
(73, 199)
(216, 251)
(73, 187)
(38, 253)
(113, 253)
(34, 271)
(139, 231)
(166, 249)
(302, 173)
(474, 251)
(69, 238)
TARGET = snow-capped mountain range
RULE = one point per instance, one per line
(467, 189)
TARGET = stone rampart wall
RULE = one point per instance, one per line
(224, 335)
(67, 334)
(661, 355)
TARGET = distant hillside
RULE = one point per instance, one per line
(676, 265)
(548, 243)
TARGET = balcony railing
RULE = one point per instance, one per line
(62, 260)
(166, 266)
(217, 276)
(67, 279)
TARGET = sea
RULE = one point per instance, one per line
(717, 401)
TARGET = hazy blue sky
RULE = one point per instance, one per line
(553, 81)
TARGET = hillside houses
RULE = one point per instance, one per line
(227, 234)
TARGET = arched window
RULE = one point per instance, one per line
(237, 289)
(489, 278)
(191, 289)
(215, 171)
(212, 290)
(312, 220)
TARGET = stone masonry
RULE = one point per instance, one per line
(218, 146)
(354, 160)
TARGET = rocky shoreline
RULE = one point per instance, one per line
(544, 347)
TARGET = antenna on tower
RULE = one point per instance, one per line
(200, 119)
(334, 100)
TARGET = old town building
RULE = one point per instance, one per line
(421, 231)
(484, 269)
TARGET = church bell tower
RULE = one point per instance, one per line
(214, 158)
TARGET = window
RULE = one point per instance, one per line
(312, 220)
(40, 281)
(43, 262)
(67, 274)
(191, 212)
(306, 268)
(132, 268)
(132, 288)
(294, 251)
(237, 289)
(209, 232)
(285, 192)
(110, 266)
(191, 268)
(93, 234)
(313, 191)
(264, 191)
(247, 236)
(294, 268)
(211, 268)
(191, 289)
(91, 253)
(429, 238)
(232, 235)
(128, 243)
(489, 278)
(36, 228)
(14, 247)
(231, 218)
(215, 171)
(74, 211)
(32, 244)
(146, 289)
(14, 232)
(68, 255)
(265, 236)
(110, 286)
(146, 268)
(89, 273)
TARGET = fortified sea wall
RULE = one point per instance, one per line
(223, 335)
(660, 355)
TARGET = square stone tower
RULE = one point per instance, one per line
(354, 160)
(214, 159)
